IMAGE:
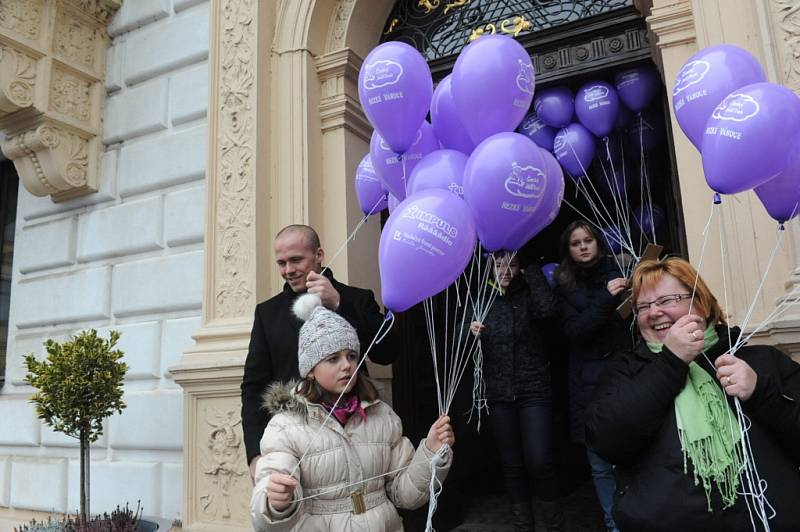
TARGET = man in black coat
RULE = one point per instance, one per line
(272, 355)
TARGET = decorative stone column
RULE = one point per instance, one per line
(284, 129)
(238, 272)
(52, 68)
(681, 28)
(781, 19)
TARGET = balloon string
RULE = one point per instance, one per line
(623, 223)
(747, 317)
(702, 254)
(352, 235)
(579, 181)
(646, 178)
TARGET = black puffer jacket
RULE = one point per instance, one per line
(514, 362)
(631, 423)
(594, 330)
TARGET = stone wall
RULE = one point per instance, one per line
(129, 257)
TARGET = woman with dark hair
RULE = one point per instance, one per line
(589, 289)
(518, 391)
(664, 413)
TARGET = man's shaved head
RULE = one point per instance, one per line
(309, 233)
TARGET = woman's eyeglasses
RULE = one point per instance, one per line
(662, 302)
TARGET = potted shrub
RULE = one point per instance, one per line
(78, 386)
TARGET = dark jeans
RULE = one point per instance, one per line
(523, 431)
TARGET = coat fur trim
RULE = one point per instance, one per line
(281, 397)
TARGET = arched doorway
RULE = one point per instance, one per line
(570, 43)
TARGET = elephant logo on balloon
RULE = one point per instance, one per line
(692, 73)
(594, 93)
(382, 74)
(736, 107)
(525, 181)
(525, 77)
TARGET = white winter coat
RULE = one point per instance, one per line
(338, 458)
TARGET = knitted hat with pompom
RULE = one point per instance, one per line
(323, 333)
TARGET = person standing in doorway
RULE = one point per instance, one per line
(589, 289)
(518, 390)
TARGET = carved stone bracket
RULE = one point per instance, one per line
(52, 69)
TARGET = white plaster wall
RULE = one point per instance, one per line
(129, 257)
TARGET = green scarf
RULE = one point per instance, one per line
(708, 429)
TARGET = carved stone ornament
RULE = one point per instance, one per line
(235, 162)
(52, 56)
(53, 160)
(224, 490)
(787, 17)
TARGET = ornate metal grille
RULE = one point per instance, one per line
(441, 28)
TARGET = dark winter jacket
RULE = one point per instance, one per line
(514, 362)
(593, 330)
(631, 423)
(272, 355)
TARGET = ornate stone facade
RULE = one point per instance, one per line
(786, 14)
(286, 132)
(52, 66)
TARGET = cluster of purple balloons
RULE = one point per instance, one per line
(747, 130)
(464, 176)
(569, 124)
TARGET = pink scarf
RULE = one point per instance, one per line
(346, 408)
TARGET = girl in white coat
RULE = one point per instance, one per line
(356, 467)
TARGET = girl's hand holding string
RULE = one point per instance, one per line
(280, 491)
(441, 433)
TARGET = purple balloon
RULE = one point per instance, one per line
(425, 245)
(535, 129)
(493, 82)
(613, 239)
(504, 183)
(705, 79)
(624, 118)
(549, 270)
(781, 194)
(389, 166)
(645, 132)
(555, 106)
(548, 208)
(446, 122)
(648, 217)
(597, 106)
(442, 169)
(574, 148)
(392, 203)
(637, 87)
(395, 89)
(750, 137)
(615, 183)
(369, 189)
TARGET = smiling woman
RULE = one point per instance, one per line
(665, 415)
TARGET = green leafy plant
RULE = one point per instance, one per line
(79, 385)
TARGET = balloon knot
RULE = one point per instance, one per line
(717, 198)
(781, 227)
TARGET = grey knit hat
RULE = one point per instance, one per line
(323, 333)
